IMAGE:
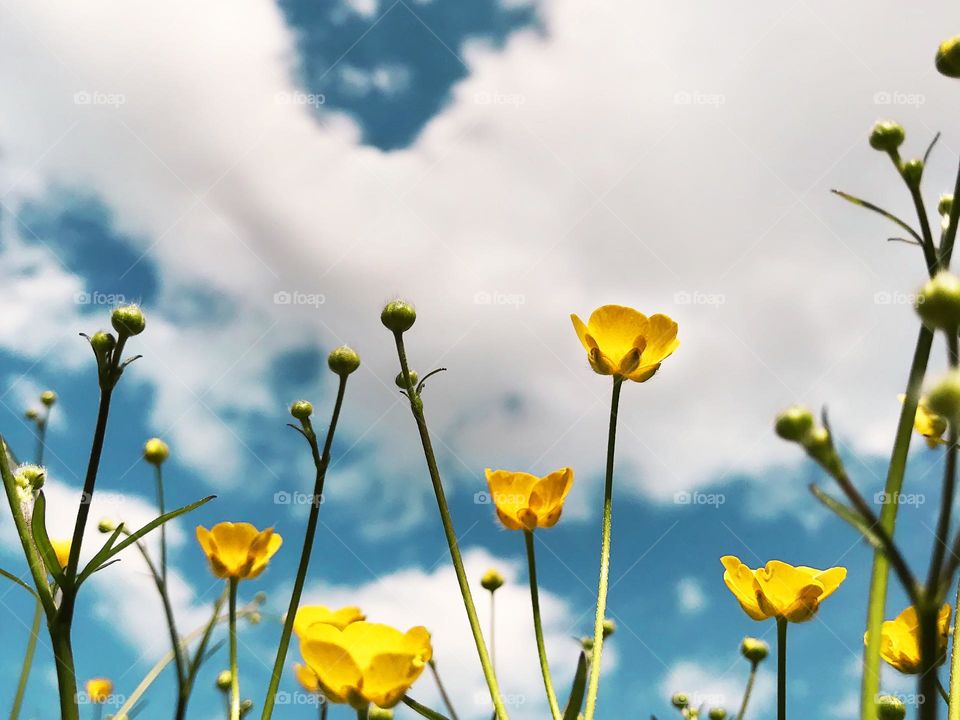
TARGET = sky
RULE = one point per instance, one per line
(262, 177)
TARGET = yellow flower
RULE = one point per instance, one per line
(900, 640)
(307, 678)
(365, 662)
(621, 341)
(928, 423)
(62, 550)
(238, 550)
(525, 501)
(310, 614)
(99, 690)
(779, 590)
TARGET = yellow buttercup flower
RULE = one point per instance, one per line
(238, 550)
(525, 501)
(624, 342)
(307, 678)
(927, 423)
(779, 590)
(99, 690)
(310, 614)
(62, 550)
(900, 639)
(365, 662)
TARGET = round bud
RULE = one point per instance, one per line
(717, 714)
(48, 397)
(794, 423)
(938, 302)
(255, 618)
(260, 598)
(401, 381)
(301, 410)
(492, 580)
(31, 414)
(103, 343)
(887, 136)
(29, 476)
(586, 642)
(680, 700)
(155, 451)
(107, 525)
(609, 627)
(913, 172)
(343, 360)
(944, 397)
(377, 713)
(245, 706)
(948, 57)
(128, 320)
(890, 707)
(224, 679)
(945, 205)
(398, 316)
(754, 650)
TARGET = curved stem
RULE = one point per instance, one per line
(747, 691)
(781, 669)
(443, 691)
(422, 710)
(321, 462)
(416, 407)
(538, 626)
(594, 686)
(234, 674)
(27, 661)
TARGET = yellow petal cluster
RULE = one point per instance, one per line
(927, 423)
(624, 342)
(238, 550)
(365, 662)
(525, 501)
(900, 639)
(310, 614)
(61, 549)
(779, 590)
(99, 690)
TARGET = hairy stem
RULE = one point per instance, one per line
(538, 626)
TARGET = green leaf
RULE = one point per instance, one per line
(422, 710)
(133, 537)
(575, 702)
(40, 537)
(849, 516)
(879, 210)
(99, 560)
(10, 576)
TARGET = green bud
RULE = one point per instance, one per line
(343, 360)
(754, 650)
(492, 580)
(819, 446)
(48, 397)
(938, 302)
(31, 414)
(255, 618)
(128, 320)
(948, 57)
(377, 713)
(944, 397)
(887, 136)
(107, 525)
(224, 679)
(794, 423)
(103, 344)
(913, 172)
(401, 381)
(586, 642)
(260, 598)
(301, 410)
(717, 714)
(29, 477)
(945, 205)
(680, 700)
(245, 706)
(609, 627)
(155, 451)
(890, 707)
(398, 316)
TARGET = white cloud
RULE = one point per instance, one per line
(718, 685)
(690, 596)
(384, 79)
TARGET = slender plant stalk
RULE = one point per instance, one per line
(747, 691)
(323, 708)
(594, 685)
(493, 630)
(538, 626)
(443, 690)
(66, 673)
(163, 528)
(234, 674)
(416, 407)
(422, 710)
(781, 669)
(322, 462)
(953, 702)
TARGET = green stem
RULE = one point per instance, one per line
(27, 661)
(422, 710)
(363, 713)
(781, 669)
(416, 407)
(953, 702)
(594, 686)
(66, 675)
(321, 462)
(443, 691)
(928, 679)
(943, 693)
(493, 629)
(747, 691)
(538, 625)
(163, 528)
(234, 674)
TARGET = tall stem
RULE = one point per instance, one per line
(234, 674)
(163, 527)
(928, 679)
(66, 675)
(27, 661)
(493, 630)
(594, 686)
(953, 704)
(538, 626)
(416, 407)
(321, 461)
(443, 691)
(781, 669)
(747, 691)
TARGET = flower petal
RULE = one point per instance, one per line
(741, 581)
(615, 328)
(510, 492)
(547, 496)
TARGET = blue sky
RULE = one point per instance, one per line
(263, 178)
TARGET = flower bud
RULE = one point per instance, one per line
(794, 423)
(754, 650)
(398, 316)
(944, 397)
(890, 707)
(343, 360)
(586, 642)
(224, 679)
(377, 713)
(680, 700)
(155, 451)
(948, 57)
(260, 598)
(492, 580)
(103, 343)
(819, 446)
(945, 205)
(48, 397)
(886, 136)
(107, 525)
(31, 414)
(938, 302)
(128, 320)
(29, 477)
(609, 627)
(913, 172)
(401, 381)
(301, 410)
(255, 618)
(717, 714)
(245, 706)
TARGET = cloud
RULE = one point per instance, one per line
(690, 596)
(718, 685)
